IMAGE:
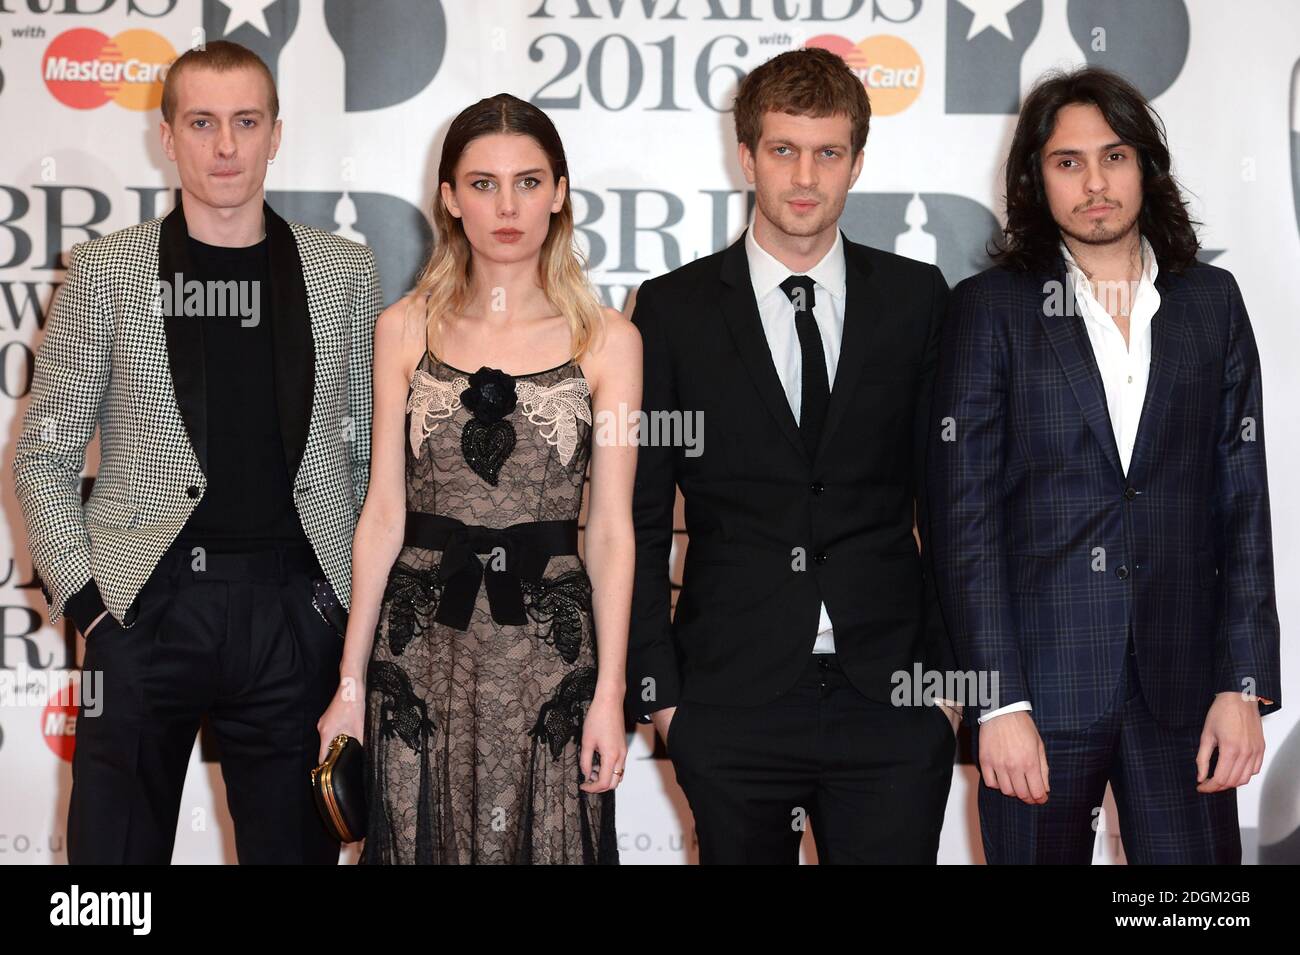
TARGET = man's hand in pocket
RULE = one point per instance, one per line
(94, 623)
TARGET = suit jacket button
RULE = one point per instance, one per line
(817, 487)
(1130, 493)
(1122, 572)
(192, 491)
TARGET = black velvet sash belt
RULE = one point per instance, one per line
(524, 550)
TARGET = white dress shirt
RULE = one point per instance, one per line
(777, 313)
(1124, 368)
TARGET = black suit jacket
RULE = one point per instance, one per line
(747, 614)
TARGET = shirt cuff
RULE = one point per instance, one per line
(1003, 710)
(85, 605)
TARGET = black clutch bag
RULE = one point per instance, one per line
(340, 790)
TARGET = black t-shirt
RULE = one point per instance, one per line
(248, 504)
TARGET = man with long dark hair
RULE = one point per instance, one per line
(1101, 529)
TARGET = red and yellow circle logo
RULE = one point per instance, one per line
(888, 66)
(59, 720)
(85, 69)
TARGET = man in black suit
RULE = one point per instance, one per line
(807, 359)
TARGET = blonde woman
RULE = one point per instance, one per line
(484, 668)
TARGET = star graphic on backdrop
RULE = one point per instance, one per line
(252, 12)
(990, 15)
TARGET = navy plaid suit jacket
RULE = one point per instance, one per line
(1045, 553)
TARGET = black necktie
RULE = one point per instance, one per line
(816, 392)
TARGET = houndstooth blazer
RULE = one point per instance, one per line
(111, 359)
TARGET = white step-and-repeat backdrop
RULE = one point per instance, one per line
(640, 91)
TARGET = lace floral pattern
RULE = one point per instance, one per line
(560, 719)
(473, 736)
(412, 598)
(554, 409)
(401, 715)
(560, 603)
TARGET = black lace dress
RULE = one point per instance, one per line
(484, 660)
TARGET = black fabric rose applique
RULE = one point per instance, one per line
(486, 440)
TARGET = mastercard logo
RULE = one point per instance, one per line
(59, 723)
(888, 66)
(85, 69)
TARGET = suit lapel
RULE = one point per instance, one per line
(294, 349)
(1166, 354)
(1069, 339)
(184, 334)
(864, 303)
(741, 313)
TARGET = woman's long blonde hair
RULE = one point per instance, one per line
(444, 282)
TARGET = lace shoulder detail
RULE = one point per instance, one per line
(555, 409)
(429, 403)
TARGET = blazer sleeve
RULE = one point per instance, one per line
(966, 495)
(652, 666)
(938, 646)
(366, 305)
(69, 379)
(1248, 638)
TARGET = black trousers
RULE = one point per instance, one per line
(872, 779)
(240, 642)
(1151, 769)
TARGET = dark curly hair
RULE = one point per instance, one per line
(1031, 239)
